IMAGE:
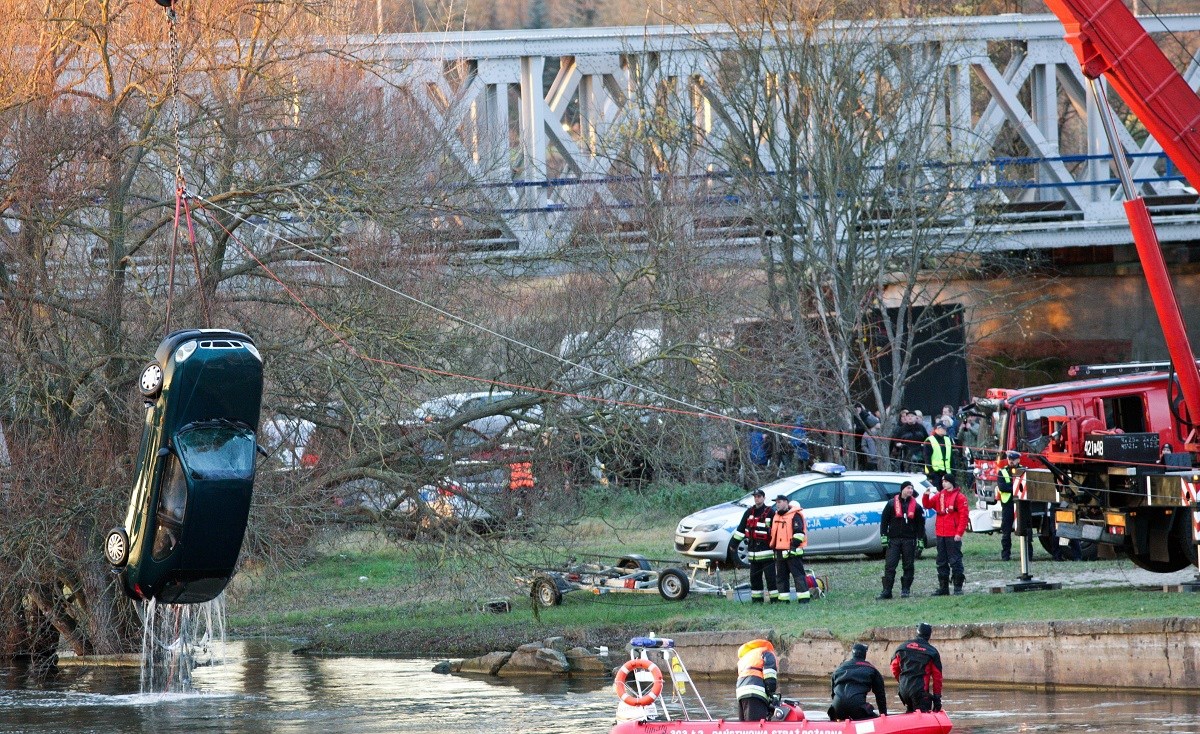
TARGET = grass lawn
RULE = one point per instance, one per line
(363, 593)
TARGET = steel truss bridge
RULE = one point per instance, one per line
(523, 113)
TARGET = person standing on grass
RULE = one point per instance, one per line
(788, 538)
(755, 530)
(1009, 469)
(901, 526)
(950, 504)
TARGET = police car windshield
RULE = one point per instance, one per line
(782, 486)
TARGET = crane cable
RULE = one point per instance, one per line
(183, 207)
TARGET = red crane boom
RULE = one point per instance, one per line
(1111, 42)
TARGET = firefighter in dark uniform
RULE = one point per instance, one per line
(1004, 495)
(901, 527)
(787, 542)
(917, 665)
(755, 529)
(758, 671)
(850, 684)
(938, 448)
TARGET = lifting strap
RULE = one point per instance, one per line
(182, 205)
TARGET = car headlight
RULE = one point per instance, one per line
(185, 350)
(707, 527)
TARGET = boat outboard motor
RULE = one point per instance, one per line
(787, 710)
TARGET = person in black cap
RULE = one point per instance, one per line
(901, 524)
(788, 533)
(755, 530)
(849, 687)
(1008, 469)
(917, 666)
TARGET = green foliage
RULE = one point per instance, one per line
(667, 501)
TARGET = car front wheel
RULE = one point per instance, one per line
(116, 547)
(737, 556)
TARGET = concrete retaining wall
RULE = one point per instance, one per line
(1158, 654)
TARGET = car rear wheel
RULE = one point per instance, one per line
(673, 584)
(116, 547)
(545, 592)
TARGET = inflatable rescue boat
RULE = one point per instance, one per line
(651, 703)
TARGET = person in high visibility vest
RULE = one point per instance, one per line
(1004, 495)
(788, 538)
(937, 454)
(757, 681)
(755, 530)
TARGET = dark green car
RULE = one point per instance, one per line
(191, 496)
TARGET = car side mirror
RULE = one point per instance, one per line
(164, 451)
(259, 447)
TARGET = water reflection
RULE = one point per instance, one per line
(263, 688)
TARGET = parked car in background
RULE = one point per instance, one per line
(466, 476)
(448, 406)
(842, 508)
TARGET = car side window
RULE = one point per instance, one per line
(890, 489)
(861, 492)
(172, 502)
(824, 494)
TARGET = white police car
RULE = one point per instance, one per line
(842, 509)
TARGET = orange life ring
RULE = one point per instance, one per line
(623, 692)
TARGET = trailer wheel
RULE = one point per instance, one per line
(673, 584)
(545, 592)
(634, 562)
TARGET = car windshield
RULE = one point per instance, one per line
(782, 486)
(217, 452)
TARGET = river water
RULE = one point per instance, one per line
(261, 687)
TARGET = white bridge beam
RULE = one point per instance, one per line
(535, 145)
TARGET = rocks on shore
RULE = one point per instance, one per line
(552, 656)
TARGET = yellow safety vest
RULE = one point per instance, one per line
(940, 460)
(1005, 475)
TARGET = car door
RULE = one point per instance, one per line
(820, 502)
(862, 505)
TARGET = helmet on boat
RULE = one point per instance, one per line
(754, 645)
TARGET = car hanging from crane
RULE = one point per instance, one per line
(191, 495)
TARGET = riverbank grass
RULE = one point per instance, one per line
(361, 592)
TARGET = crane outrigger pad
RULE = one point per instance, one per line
(195, 468)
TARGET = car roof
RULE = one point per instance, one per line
(802, 480)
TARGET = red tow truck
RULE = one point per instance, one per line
(1113, 459)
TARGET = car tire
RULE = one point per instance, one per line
(545, 592)
(673, 585)
(150, 382)
(737, 556)
(634, 562)
(116, 547)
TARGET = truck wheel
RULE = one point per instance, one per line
(634, 562)
(116, 547)
(545, 592)
(673, 584)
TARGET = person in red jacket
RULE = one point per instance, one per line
(950, 504)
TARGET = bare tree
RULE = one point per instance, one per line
(834, 139)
